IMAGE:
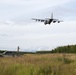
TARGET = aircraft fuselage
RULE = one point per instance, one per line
(48, 21)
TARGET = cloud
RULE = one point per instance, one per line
(21, 11)
(17, 28)
(37, 35)
(39, 11)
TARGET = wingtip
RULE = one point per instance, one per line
(32, 18)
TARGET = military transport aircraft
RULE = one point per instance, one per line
(48, 20)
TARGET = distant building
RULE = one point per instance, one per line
(7, 54)
(18, 48)
(12, 53)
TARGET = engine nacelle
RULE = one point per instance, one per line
(45, 22)
(58, 21)
(38, 20)
(54, 21)
(42, 21)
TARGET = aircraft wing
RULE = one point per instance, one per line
(41, 20)
(57, 20)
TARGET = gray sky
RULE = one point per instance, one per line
(17, 28)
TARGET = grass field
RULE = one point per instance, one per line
(39, 64)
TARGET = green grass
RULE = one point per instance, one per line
(37, 64)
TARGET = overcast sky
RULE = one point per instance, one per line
(17, 28)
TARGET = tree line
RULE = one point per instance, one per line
(61, 49)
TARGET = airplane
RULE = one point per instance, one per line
(48, 20)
